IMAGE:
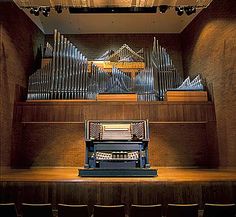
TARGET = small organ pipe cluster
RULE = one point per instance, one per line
(103, 82)
(165, 75)
(64, 77)
(66, 74)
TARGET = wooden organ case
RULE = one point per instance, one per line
(117, 148)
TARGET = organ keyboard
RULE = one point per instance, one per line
(117, 148)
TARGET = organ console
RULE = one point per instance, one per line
(117, 148)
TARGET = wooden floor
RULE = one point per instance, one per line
(164, 174)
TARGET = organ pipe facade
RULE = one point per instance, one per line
(69, 75)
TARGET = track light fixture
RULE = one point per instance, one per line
(80, 10)
(179, 10)
(190, 10)
(58, 9)
(32, 10)
(163, 8)
(45, 11)
(35, 10)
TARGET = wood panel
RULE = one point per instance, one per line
(117, 193)
(117, 97)
(53, 145)
(80, 111)
(172, 186)
(52, 133)
(20, 40)
(210, 48)
(183, 96)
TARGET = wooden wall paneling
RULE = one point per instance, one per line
(174, 111)
(116, 111)
(53, 112)
(209, 48)
(91, 112)
(70, 115)
(58, 144)
(54, 145)
(207, 112)
(186, 96)
(218, 192)
(178, 145)
(52, 130)
(107, 193)
(78, 112)
(24, 113)
(17, 148)
(20, 39)
(95, 112)
(1, 91)
(211, 114)
(117, 97)
(212, 144)
(196, 113)
(201, 112)
(131, 111)
(17, 140)
(191, 112)
(152, 112)
(188, 114)
(145, 111)
(62, 116)
(81, 116)
(162, 112)
(154, 150)
(228, 136)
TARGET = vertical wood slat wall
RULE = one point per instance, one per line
(113, 193)
(70, 111)
(52, 133)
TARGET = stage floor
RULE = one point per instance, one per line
(70, 174)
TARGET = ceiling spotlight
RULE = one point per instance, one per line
(163, 8)
(35, 11)
(58, 9)
(179, 10)
(45, 11)
(32, 10)
(190, 10)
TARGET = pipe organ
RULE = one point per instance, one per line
(165, 75)
(117, 148)
(64, 77)
(68, 75)
(114, 147)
